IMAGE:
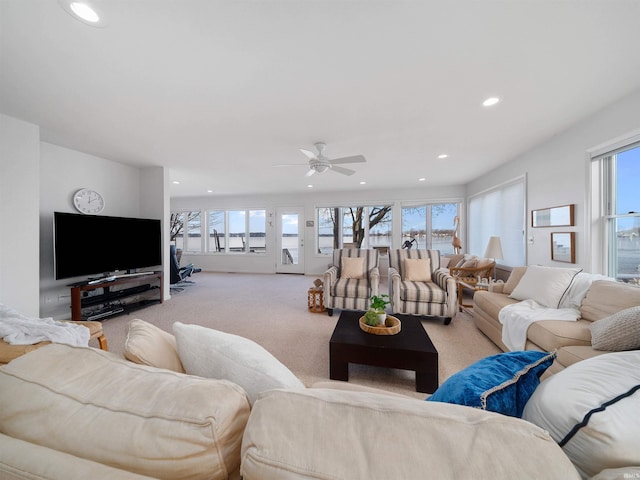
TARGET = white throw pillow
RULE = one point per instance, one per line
(213, 354)
(417, 269)
(591, 409)
(545, 285)
(352, 267)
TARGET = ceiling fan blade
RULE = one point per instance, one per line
(291, 165)
(308, 154)
(352, 159)
(342, 170)
(310, 172)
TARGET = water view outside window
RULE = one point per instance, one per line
(380, 222)
(359, 227)
(216, 231)
(624, 223)
(237, 230)
(193, 239)
(431, 226)
(257, 231)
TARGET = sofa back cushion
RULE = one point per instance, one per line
(604, 298)
(94, 405)
(513, 280)
(318, 433)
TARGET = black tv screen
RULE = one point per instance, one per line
(93, 245)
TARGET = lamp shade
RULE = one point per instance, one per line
(494, 248)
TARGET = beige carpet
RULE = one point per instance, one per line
(272, 311)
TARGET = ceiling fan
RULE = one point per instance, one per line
(319, 163)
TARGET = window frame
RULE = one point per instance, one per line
(601, 178)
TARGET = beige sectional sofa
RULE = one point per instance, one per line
(571, 339)
(78, 412)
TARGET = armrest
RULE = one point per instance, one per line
(374, 280)
(330, 276)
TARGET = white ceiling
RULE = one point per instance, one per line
(220, 90)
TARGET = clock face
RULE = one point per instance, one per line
(88, 201)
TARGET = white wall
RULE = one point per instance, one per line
(314, 264)
(557, 175)
(154, 203)
(64, 171)
(19, 210)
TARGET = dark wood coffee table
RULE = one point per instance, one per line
(410, 349)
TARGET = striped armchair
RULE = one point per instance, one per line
(350, 283)
(420, 293)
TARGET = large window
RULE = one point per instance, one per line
(227, 231)
(621, 212)
(499, 211)
(430, 226)
(361, 227)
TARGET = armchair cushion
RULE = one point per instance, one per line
(422, 292)
(417, 269)
(352, 267)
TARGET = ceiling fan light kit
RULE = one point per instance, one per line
(318, 163)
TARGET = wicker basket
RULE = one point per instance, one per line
(392, 326)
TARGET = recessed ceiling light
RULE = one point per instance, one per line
(421, 179)
(309, 186)
(209, 191)
(490, 101)
(175, 182)
(84, 11)
(363, 183)
(443, 155)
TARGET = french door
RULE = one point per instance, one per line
(290, 240)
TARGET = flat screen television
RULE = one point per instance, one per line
(95, 245)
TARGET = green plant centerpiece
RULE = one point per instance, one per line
(378, 305)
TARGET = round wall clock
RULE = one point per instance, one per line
(88, 201)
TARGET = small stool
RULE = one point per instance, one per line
(315, 299)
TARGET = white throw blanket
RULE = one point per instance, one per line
(516, 318)
(18, 329)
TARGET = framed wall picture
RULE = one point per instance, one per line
(562, 216)
(563, 247)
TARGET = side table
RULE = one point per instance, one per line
(467, 307)
(315, 300)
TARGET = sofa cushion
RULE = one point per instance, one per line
(500, 383)
(17, 462)
(147, 344)
(591, 409)
(332, 434)
(576, 353)
(605, 298)
(620, 331)
(514, 278)
(92, 404)
(545, 285)
(552, 334)
(213, 354)
(491, 302)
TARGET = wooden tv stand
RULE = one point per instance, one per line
(111, 301)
